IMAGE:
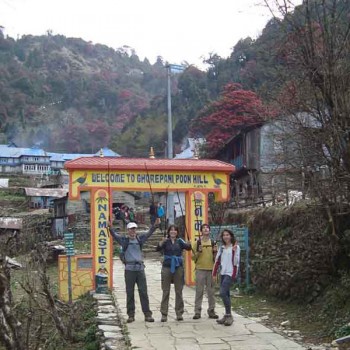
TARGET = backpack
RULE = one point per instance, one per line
(125, 246)
(217, 264)
(160, 212)
(198, 244)
(199, 240)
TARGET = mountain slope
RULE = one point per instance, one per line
(69, 95)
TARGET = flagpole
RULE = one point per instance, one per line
(170, 201)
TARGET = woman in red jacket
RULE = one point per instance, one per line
(227, 259)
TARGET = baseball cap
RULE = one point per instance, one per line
(131, 225)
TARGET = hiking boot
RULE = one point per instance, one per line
(164, 318)
(213, 315)
(149, 319)
(228, 320)
(196, 316)
(130, 319)
(221, 320)
(180, 318)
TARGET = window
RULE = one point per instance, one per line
(29, 167)
(43, 168)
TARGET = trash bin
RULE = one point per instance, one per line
(101, 282)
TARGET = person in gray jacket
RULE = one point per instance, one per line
(134, 269)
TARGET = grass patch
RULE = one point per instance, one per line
(318, 322)
(302, 317)
(12, 198)
(8, 193)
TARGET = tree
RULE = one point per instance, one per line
(10, 327)
(316, 47)
(99, 133)
(235, 109)
(31, 317)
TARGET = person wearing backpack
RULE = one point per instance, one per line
(172, 271)
(160, 215)
(227, 260)
(204, 257)
(132, 215)
(134, 273)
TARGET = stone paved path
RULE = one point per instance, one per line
(244, 334)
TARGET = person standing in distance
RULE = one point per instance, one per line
(160, 215)
(153, 212)
(134, 269)
(204, 257)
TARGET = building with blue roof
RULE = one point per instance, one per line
(106, 152)
(35, 161)
(23, 160)
(57, 160)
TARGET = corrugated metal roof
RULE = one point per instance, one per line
(34, 151)
(11, 223)
(149, 164)
(13, 152)
(186, 154)
(107, 152)
(46, 192)
(16, 152)
(190, 146)
(62, 157)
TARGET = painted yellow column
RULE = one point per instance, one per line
(196, 215)
(101, 242)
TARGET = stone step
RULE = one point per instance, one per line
(149, 249)
(153, 255)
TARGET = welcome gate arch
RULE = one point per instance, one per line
(103, 175)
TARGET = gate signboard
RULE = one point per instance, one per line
(101, 176)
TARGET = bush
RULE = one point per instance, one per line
(343, 331)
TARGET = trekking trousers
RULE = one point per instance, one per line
(178, 279)
(225, 285)
(139, 278)
(204, 281)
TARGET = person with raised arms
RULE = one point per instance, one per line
(172, 248)
(132, 257)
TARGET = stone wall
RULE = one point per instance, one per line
(292, 252)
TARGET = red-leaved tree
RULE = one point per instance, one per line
(235, 110)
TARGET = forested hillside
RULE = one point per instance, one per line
(69, 95)
(66, 94)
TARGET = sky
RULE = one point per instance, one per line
(182, 30)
